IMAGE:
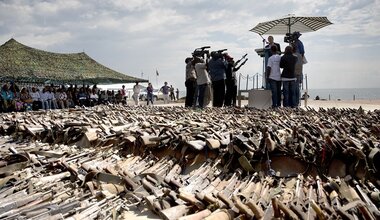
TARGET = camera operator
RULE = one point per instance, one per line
(298, 43)
(217, 67)
(203, 81)
(190, 83)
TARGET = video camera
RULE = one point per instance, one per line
(201, 52)
(218, 53)
(290, 38)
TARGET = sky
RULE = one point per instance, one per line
(138, 37)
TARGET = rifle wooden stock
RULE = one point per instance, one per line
(190, 198)
(174, 212)
(286, 210)
(210, 199)
(148, 186)
(320, 214)
(150, 201)
(225, 199)
(221, 214)
(131, 185)
(242, 207)
(52, 178)
(176, 183)
(197, 216)
(257, 211)
(297, 209)
(176, 170)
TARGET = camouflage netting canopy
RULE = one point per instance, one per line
(21, 63)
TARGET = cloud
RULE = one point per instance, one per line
(142, 35)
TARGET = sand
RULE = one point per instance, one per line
(368, 105)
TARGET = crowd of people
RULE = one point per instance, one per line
(16, 98)
(285, 83)
(211, 78)
(55, 97)
(214, 78)
(167, 93)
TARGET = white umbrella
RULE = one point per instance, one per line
(291, 23)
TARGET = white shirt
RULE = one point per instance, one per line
(44, 96)
(202, 74)
(136, 89)
(274, 64)
(94, 96)
(51, 95)
(35, 96)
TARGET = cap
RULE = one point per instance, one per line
(227, 56)
(297, 34)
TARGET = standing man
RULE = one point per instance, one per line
(268, 53)
(288, 77)
(230, 80)
(171, 90)
(136, 93)
(273, 74)
(217, 68)
(203, 79)
(149, 94)
(299, 52)
(124, 94)
(190, 83)
(177, 94)
(165, 91)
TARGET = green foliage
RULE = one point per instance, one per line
(25, 64)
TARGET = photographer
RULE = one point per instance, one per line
(203, 80)
(217, 67)
(299, 52)
(190, 83)
(299, 48)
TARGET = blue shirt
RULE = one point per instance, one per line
(217, 69)
(300, 48)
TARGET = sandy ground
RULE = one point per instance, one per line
(368, 105)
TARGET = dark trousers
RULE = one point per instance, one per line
(201, 94)
(37, 105)
(219, 92)
(230, 84)
(234, 95)
(298, 88)
(289, 89)
(275, 87)
(191, 85)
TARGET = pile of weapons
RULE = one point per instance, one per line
(107, 161)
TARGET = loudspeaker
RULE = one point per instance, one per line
(260, 98)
